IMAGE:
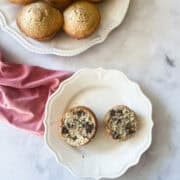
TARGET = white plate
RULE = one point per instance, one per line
(99, 89)
(112, 12)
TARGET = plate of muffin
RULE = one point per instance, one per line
(61, 27)
(95, 118)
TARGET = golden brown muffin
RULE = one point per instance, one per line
(59, 3)
(39, 21)
(121, 123)
(78, 126)
(81, 19)
(22, 1)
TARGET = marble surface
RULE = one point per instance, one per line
(146, 48)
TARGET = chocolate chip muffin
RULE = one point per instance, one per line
(61, 4)
(39, 21)
(121, 123)
(81, 19)
(78, 126)
(22, 1)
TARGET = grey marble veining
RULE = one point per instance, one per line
(147, 48)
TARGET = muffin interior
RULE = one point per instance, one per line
(121, 123)
(78, 126)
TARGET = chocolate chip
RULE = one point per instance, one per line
(112, 112)
(119, 121)
(119, 111)
(130, 129)
(80, 113)
(74, 138)
(70, 125)
(128, 126)
(115, 135)
(88, 127)
(64, 130)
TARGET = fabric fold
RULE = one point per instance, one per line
(24, 91)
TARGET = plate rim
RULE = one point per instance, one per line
(23, 40)
(135, 161)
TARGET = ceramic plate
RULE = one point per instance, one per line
(99, 89)
(112, 12)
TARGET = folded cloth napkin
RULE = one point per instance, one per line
(24, 91)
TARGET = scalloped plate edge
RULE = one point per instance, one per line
(135, 161)
(60, 52)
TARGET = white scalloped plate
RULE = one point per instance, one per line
(112, 11)
(99, 89)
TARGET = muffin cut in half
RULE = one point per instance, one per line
(78, 126)
(121, 123)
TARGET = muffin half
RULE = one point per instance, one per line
(121, 123)
(78, 126)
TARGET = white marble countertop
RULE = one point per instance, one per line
(146, 48)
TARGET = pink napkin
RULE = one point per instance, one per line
(24, 91)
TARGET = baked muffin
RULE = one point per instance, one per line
(78, 126)
(22, 1)
(81, 19)
(59, 3)
(39, 21)
(121, 123)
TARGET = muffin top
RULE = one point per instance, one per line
(39, 20)
(81, 19)
(78, 126)
(121, 122)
